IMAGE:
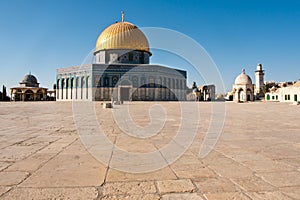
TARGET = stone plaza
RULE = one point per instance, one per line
(256, 157)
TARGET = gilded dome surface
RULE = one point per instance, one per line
(122, 35)
(243, 79)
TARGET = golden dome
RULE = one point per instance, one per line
(122, 35)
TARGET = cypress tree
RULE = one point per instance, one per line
(4, 92)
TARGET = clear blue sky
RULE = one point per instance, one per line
(43, 35)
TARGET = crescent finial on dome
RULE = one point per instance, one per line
(122, 16)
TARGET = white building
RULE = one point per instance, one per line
(29, 90)
(285, 94)
(243, 89)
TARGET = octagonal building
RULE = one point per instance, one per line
(121, 71)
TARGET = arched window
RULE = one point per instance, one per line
(151, 81)
(72, 84)
(106, 81)
(173, 84)
(249, 95)
(18, 95)
(115, 81)
(135, 81)
(241, 95)
(57, 88)
(39, 95)
(87, 88)
(29, 95)
(143, 81)
(159, 82)
(82, 86)
(67, 87)
(76, 87)
(99, 83)
(62, 88)
(169, 83)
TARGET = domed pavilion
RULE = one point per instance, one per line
(243, 89)
(29, 90)
(120, 71)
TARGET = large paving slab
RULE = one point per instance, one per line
(42, 156)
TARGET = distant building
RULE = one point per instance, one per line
(207, 92)
(203, 93)
(243, 89)
(285, 92)
(29, 90)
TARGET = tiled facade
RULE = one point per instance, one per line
(101, 82)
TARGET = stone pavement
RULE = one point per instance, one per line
(256, 157)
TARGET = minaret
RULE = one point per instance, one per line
(259, 80)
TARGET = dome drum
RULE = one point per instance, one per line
(115, 56)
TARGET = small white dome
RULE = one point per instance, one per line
(243, 79)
